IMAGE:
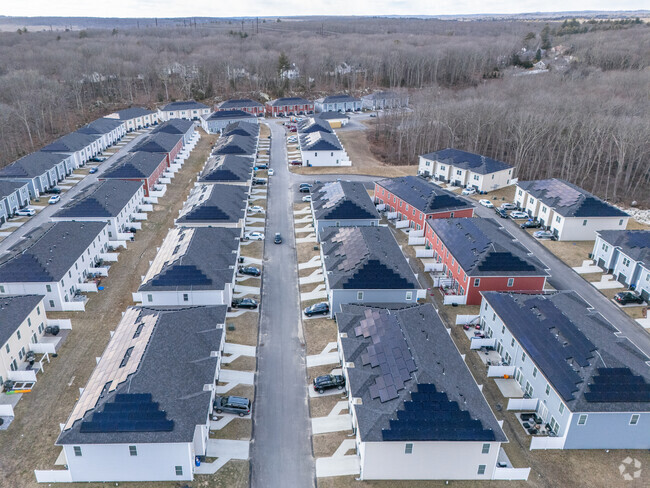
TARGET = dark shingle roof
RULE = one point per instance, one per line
(73, 142)
(633, 243)
(320, 141)
(105, 199)
(483, 248)
(280, 102)
(365, 258)
(411, 378)
(227, 168)
(206, 263)
(175, 126)
(343, 97)
(313, 124)
(214, 204)
(160, 142)
(184, 105)
(241, 102)
(236, 144)
(133, 112)
(230, 114)
(14, 310)
(423, 195)
(569, 200)
(176, 365)
(241, 128)
(101, 126)
(135, 165)
(468, 161)
(48, 252)
(571, 344)
(32, 165)
(8, 187)
(342, 200)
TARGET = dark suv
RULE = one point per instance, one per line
(322, 308)
(531, 224)
(626, 297)
(244, 303)
(328, 381)
(249, 270)
(232, 404)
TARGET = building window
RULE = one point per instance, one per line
(620, 222)
(503, 329)
(511, 281)
(584, 222)
(512, 343)
(133, 450)
(582, 420)
(626, 262)
(409, 295)
(534, 372)
(7, 348)
(554, 425)
(557, 219)
(548, 389)
(48, 288)
(359, 295)
(150, 297)
(38, 310)
(408, 448)
(481, 469)
(186, 297)
(18, 333)
(561, 409)
(179, 470)
(29, 321)
(52, 303)
(605, 247)
(77, 451)
(2, 289)
(486, 449)
(634, 419)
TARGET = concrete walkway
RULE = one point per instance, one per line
(242, 290)
(587, 267)
(224, 450)
(339, 464)
(306, 228)
(329, 355)
(233, 378)
(309, 238)
(236, 350)
(334, 423)
(315, 277)
(314, 262)
(302, 211)
(607, 282)
(316, 294)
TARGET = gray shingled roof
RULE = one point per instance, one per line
(208, 263)
(32, 165)
(365, 258)
(101, 126)
(569, 341)
(160, 142)
(281, 102)
(174, 368)
(340, 98)
(468, 161)
(235, 144)
(241, 102)
(133, 112)
(184, 105)
(105, 199)
(14, 310)
(135, 165)
(47, 253)
(228, 168)
(241, 128)
(216, 204)
(73, 142)
(342, 200)
(230, 114)
(424, 195)
(436, 360)
(175, 126)
(633, 243)
(483, 248)
(314, 124)
(569, 200)
(320, 141)
(8, 187)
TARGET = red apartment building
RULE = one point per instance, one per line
(474, 255)
(417, 200)
(161, 142)
(138, 166)
(284, 107)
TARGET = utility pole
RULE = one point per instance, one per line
(156, 21)
(242, 25)
(257, 29)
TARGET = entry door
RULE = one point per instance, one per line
(543, 411)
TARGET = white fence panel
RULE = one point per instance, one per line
(53, 476)
(433, 267)
(151, 199)
(139, 216)
(137, 297)
(64, 324)
(74, 306)
(145, 207)
(415, 240)
(511, 474)
(88, 287)
(477, 342)
(99, 271)
(391, 215)
(522, 404)
(6, 410)
(500, 371)
(466, 319)
(416, 233)
(402, 224)
(164, 180)
(458, 299)
(381, 207)
(423, 253)
(43, 347)
(547, 443)
(29, 375)
(421, 294)
(110, 257)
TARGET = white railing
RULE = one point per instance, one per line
(151, 199)
(466, 319)
(501, 371)
(164, 180)
(99, 271)
(139, 216)
(511, 474)
(522, 404)
(416, 233)
(145, 207)
(391, 215)
(124, 236)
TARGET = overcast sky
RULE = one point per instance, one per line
(220, 8)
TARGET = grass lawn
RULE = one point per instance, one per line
(321, 406)
(237, 429)
(318, 333)
(245, 329)
(326, 444)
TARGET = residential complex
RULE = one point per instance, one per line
(338, 103)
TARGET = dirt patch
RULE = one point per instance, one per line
(636, 225)
(237, 429)
(246, 391)
(497, 197)
(303, 273)
(305, 251)
(253, 250)
(572, 253)
(319, 333)
(242, 363)
(326, 444)
(245, 329)
(321, 406)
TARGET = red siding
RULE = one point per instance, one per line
(420, 217)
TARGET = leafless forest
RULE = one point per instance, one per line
(585, 120)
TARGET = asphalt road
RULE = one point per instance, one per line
(44, 215)
(281, 453)
(564, 278)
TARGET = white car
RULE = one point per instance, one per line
(26, 212)
(508, 206)
(307, 198)
(544, 234)
(516, 214)
(54, 199)
(469, 191)
(254, 236)
(255, 209)
(271, 172)
(486, 203)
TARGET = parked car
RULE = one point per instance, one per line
(261, 166)
(255, 209)
(517, 214)
(271, 172)
(501, 213)
(306, 198)
(531, 224)
(626, 297)
(322, 308)
(296, 163)
(232, 404)
(278, 238)
(469, 191)
(92, 171)
(244, 303)
(259, 181)
(254, 236)
(508, 206)
(293, 129)
(26, 212)
(486, 203)
(249, 270)
(55, 189)
(544, 234)
(328, 381)
(373, 115)
(54, 199)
